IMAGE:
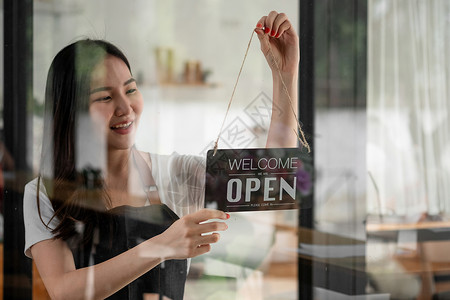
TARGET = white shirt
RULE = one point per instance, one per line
(180, 180)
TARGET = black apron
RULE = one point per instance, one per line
(124, 227)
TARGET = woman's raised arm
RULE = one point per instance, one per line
(280, 45)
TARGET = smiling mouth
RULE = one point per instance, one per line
(122, 126)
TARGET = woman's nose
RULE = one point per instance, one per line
(123, 106)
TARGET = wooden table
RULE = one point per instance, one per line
(432, 253)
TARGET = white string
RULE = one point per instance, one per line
(302, 139)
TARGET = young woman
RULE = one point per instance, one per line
(130, 230)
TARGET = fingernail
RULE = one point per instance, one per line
(228, 216)
(267, 30)
(259, 25)
(273, 33)
(278, 35)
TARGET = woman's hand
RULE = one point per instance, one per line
(190, 236)
(280, 45)
(185, 238)
(276, 31)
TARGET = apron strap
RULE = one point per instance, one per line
(146, 176)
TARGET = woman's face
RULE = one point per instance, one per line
(115, 102)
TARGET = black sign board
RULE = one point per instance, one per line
(257, 179)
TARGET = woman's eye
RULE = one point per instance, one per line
(106, 98)
(131, 91)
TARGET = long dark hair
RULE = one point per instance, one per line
(66, 97)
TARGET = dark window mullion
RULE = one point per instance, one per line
(17, 101)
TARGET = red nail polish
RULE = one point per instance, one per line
(228, 216)
(273, 33)
(259, 25)
(278, 35)
(267, 30)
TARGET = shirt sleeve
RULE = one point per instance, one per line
(36, 230)
(181, 181)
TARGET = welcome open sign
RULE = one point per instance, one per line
(256, 179)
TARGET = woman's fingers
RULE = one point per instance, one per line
(279, 42)
(191, 235)
(278, 20)
(260, 26)
(269, 23)
(202, 244)
(211, 227)
(273, 25)
(207, 214)
(284, 26)
(202, 249)
(209, 239)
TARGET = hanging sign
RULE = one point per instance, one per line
(257, 179)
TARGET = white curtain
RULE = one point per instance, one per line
(408, 138)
